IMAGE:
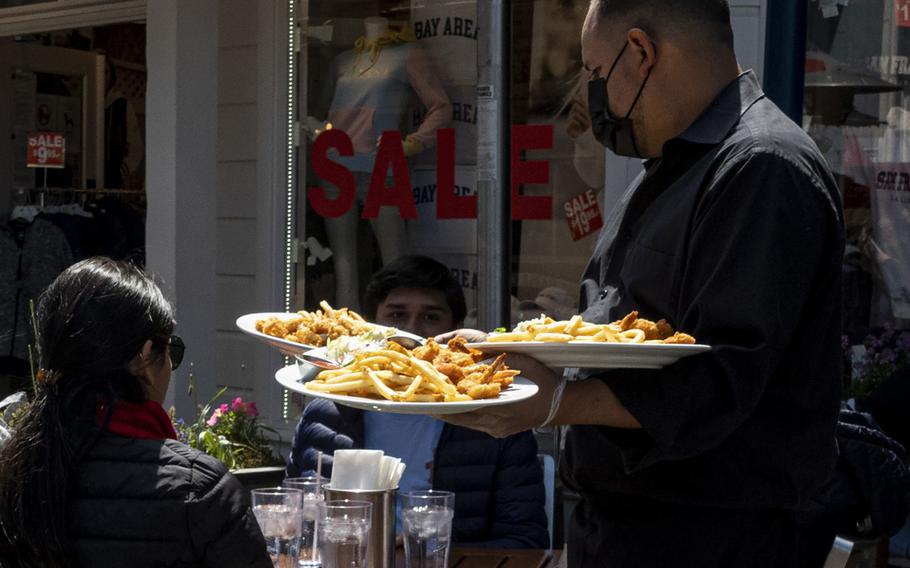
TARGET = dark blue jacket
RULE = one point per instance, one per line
(498, 484)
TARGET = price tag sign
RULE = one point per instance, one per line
(583, 215)
(46, 150)
(903, 13)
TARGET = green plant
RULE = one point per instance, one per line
(231, 433)
(881, 355)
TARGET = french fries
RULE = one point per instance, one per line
(630, 329)
(430, 373)
(315, 328)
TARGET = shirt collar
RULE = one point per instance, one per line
(725, 111)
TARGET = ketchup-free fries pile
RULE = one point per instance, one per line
(430, 373)
(315, 328)
(630, 329)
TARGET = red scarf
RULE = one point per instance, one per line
(146, 421)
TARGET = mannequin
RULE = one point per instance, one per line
(373, 84)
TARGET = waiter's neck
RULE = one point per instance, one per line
(688, 90)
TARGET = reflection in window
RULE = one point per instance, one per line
(404, 73)
(856, 101)
(548, 88)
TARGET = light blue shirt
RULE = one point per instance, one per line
(411, 437)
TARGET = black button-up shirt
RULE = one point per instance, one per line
(735, 236)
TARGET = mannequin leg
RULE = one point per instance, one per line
(391, 234)
(342, 232)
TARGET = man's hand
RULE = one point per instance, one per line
(470, 335)
(508, 419)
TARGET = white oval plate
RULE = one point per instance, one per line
(521, 389)
(247, 324)
(589, 355)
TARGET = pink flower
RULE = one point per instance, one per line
(216, 415)
(237, 405)
(223, 408)
(251, 409)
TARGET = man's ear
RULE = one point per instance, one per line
(644, 51)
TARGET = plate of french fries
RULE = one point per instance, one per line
(630, 343)
(431, 379)
(293, 333)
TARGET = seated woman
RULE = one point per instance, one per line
(94, 475)
(498, 483)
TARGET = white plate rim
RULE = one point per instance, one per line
(590, 345)
(286, 377)
(247, 324)
(596, 355)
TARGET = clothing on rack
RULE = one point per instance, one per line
(113, 229)
(32, 255)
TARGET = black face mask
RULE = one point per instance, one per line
(617, 134)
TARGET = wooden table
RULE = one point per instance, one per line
(495, 558)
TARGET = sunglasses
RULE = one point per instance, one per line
(177, 348)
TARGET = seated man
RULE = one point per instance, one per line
(498, 482)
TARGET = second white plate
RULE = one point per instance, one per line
(290, 377)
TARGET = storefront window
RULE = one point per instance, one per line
(387, 154)
(856, 98)
(72, 173)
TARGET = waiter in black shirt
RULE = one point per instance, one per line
(733, 234)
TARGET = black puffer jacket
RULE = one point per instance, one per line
(160, 503)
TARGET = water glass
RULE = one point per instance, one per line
(344, 533)
(427, 522)
(312, 494)
(279, 512)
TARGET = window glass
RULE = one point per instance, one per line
(856, 97)
(558, 213)
(386, 103)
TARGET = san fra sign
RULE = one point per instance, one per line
(450, 203)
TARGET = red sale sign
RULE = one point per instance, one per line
(583, 215)
(903, 13)
(46, 150)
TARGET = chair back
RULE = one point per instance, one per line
(548, 464)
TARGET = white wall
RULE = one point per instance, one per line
(749, 30)
(236, 210)
(180, 145)
(250, 192)
(216, 161)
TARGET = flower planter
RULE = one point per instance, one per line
(259, 477)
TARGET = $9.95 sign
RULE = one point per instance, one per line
(46, 150)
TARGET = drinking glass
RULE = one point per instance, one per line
(426, 518)
(312, 494)
(279, 512)
(344, 533)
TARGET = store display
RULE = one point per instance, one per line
(373, 84)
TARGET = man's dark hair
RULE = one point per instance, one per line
(415, 272)
(708, 17)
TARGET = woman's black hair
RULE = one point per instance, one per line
(414, 271)
(92, 321)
